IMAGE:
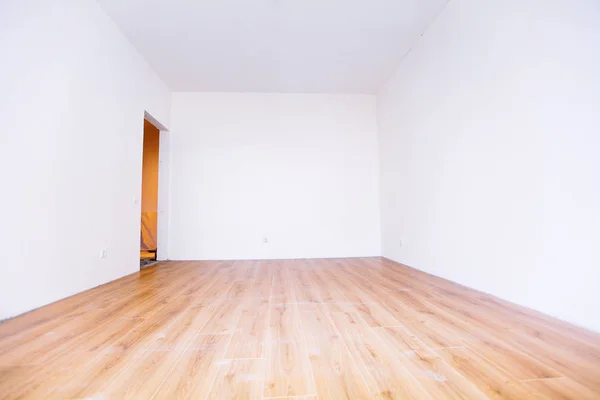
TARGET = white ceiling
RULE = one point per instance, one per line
(328, 46)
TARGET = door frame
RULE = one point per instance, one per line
(164, 184)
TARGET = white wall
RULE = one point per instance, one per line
(299, 169)
(489, 146)
(72, 97)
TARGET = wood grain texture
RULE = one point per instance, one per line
(335, 372)
(239, 379)
(297, 329)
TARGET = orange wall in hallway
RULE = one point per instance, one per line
(150, 185)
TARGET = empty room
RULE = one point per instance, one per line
(301, 200)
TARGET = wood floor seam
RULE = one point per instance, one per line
(542, 379)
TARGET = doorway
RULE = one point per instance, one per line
(149, 212)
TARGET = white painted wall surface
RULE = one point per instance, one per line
(164, 194)
(72, 97)
(490, 153)
(299, 169)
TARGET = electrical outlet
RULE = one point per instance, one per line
(103, 253)
(265, 240)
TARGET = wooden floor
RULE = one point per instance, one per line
(303, 329)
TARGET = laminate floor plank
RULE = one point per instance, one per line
(561, 388)
(335, 372)
(382, 370)
(288, 370)
(238, 380)
(249, 339)
(195, 372)
(494, 382)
